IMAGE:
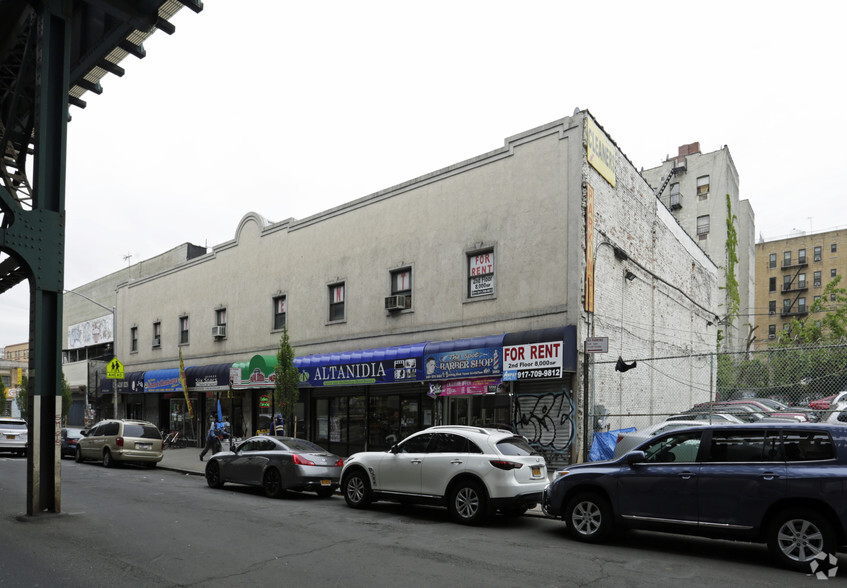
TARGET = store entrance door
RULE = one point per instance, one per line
(458, 409)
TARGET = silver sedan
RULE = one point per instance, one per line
(277, 464)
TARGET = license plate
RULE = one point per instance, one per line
(11, 436)
(326, 482)
(145, 446)
(536, 471)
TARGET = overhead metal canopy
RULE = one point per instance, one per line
(103, 34)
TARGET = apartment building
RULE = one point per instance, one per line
(792, 273)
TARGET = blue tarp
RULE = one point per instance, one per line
(603, 446)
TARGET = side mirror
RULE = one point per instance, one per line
(84, 432)
(394, 449)
(634, 457)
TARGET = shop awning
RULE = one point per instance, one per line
(158, 381)
(464, 358)
(211, 378)
(133, 383)
(383, 365)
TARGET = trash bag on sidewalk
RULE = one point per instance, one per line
(603, 446)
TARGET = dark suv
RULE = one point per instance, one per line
(780, 484)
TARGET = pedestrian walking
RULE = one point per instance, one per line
(212, 441)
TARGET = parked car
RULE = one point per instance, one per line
(121, 441)
(628, 441)
(713, 417)
(837, 414)
(277, 464)
(825, 403)
(472, 471)
(745, 413)
(13, 435)
(755, 406)
(778, 483)
(70, 437)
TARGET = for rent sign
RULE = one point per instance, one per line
(533, 361)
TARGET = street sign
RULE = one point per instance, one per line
(115, 370)
(597, 345)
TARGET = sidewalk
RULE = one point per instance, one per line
(187, 461)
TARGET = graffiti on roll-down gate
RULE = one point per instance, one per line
(546, 420)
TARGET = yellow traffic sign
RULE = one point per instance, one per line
(115, 370)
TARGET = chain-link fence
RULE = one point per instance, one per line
(791, 382)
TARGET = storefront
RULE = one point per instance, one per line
(131, 400)
(253, 384)
(175, 413)
(366, 399)
(540, 366)
(211, 384)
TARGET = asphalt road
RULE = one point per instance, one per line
(138, 527)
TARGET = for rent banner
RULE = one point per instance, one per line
(533, 361)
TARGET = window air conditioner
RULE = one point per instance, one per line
(396, 302)
(157, 341)
(219, 331)
(771, 336)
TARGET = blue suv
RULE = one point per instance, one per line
(780, 484)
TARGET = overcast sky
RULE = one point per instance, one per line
(291, 108)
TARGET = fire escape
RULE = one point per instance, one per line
(794, 288)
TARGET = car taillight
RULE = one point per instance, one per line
(505, 465)
(119, 441)
(300, 460)
(339, 463)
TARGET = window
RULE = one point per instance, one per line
(280, 309)
(815, 299)
(183, 330)
(771, 331)
(772, 307)
(833, 248)
(833, 273)
(801, 256)
(786, 259)
(817, 276)
(818, 253)
(703, 226)
(703, 187)
(772, 285)
(786, 305)
(786, 283)
(336, 302)
(676, 447)
(801, 304)
(157, 334)
(832, 297)
(133, 339)
(416, 444)
(745, 446)
(808, 446)
(772, 260)
(481, 274)
(675, 204)
(801, 280)
(220, 317)
(401, 285)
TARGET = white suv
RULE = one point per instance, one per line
(471, 470)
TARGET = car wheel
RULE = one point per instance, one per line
(514, 511)
(107, 459)
(272, 483)
(325, 492)
(468, 504)
(213, 475)
(357, 489)
(797, 536)
(78, 455)
(589, 518)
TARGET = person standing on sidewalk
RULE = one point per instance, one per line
(212, 441)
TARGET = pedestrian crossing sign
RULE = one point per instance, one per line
(115, 370)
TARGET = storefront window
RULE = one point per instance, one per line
(385, 421)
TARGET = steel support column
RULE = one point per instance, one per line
(43, 251)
